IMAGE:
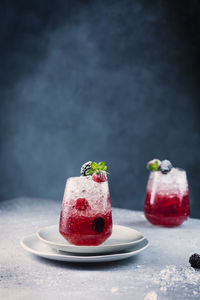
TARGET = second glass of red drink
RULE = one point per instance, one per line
(167, 195)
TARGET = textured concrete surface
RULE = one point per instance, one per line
(160, 272)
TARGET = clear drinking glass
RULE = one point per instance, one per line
(86, 216)
(167, 198)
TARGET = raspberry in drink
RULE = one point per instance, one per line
(86, 216)
(167, 197)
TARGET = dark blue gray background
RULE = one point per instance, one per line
(98, 80)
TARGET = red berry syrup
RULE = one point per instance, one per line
(167, 209)
(89, 229)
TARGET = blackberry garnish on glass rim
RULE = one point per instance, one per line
(167, 194)
(85, 167)
(165, 166)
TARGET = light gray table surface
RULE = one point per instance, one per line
(159, 272)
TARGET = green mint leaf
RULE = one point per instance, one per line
(153, 167)
(94, 165)
(150, 168)
(101, 164)
(97, 168)
(90, 171)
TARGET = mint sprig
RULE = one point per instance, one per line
(97, 168)
(153, 166)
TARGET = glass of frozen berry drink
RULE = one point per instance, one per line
(86, 216)
(167, 194)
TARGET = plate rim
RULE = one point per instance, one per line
(78, 257)
(91, 247)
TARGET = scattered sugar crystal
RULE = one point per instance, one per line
(114, 289)
(195, 293)
(138, 266)
(170, 276)
(151, 296)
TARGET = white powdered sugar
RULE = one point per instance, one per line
(171, 276)
(151, 296)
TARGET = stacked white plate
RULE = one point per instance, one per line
(49, 243)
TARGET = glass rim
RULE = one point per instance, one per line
(159, 171)
(75, 177)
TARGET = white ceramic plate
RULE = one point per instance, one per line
(35, 246)
(122, 238)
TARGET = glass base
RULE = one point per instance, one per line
(165, 221)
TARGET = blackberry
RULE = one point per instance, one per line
(86, 166)
(165, 166)
(195, 261)
(98, 224)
